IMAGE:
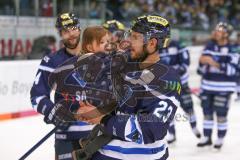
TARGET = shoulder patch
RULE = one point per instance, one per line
(46, 59)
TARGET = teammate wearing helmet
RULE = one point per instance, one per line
(117, 30)
(217, 66)
(68, 26)
(238, 73)
(138, 128)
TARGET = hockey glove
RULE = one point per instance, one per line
(60, 116)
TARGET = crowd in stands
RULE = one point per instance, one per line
(199, 14)
(182, 14)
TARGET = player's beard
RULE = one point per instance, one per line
(142, 55)
(68, 44)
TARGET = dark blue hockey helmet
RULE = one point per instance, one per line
(225, 27)
(153, 26)
(114, 25)
(67, 20)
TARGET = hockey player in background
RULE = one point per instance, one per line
(176, 55)
(117, 30)
(66, 137)
(238, 72)
(217, 66)
(138, 128)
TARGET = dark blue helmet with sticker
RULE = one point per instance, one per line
(153, 26)
(67, 20)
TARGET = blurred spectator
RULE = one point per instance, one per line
(6, 7)
(202, 18)
(130, 9)
(43, 46)
(63, 6)
(186, 16)
(26, 7)
(116, 8)
(95, 10)
(47, 8)
(234, 14)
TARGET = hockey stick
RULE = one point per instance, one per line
(38, 144)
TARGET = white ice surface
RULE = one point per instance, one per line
(17, 136)
(185, 146)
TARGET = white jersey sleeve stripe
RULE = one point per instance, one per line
(44, 68)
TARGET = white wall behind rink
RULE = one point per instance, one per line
(16, 79)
